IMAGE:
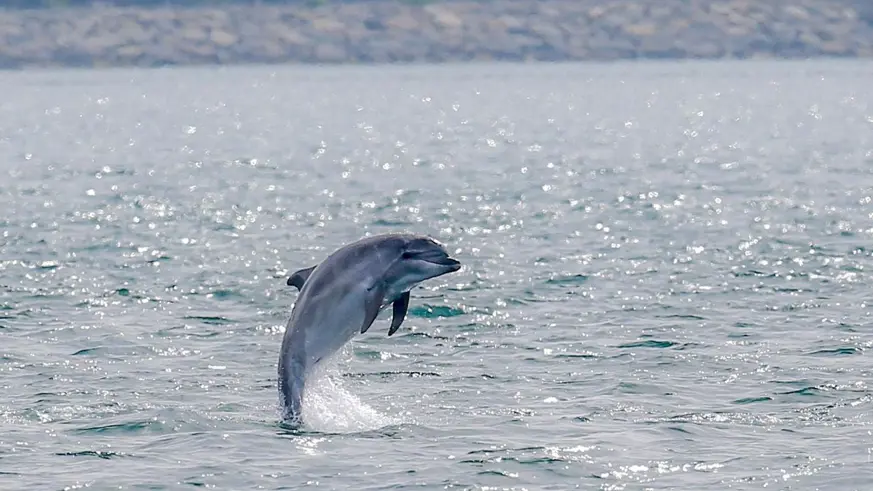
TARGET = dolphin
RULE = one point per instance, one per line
(341, 297)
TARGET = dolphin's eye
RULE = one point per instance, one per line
(406, 255)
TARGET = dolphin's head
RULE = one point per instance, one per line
(428, 256)
(419, 258)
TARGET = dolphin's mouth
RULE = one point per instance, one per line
(453, 264)
(439, 258)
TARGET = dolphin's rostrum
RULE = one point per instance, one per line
(342, 296)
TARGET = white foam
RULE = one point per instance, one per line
(328, 406)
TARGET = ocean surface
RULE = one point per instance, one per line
(665, 284)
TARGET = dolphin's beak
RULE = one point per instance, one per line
(453, 264)
(440, 258)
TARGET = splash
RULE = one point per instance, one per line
(328, 406)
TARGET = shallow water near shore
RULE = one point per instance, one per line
(664, 283)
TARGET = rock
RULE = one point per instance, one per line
(796, 11)
(8, 30)
(194, 33)
(642, 29)
(135, 33)
(388, 30)
(329, 53)
(738, 31)
(659, 47)
(548, 33)
(324, 24)
(660, 12)
(403, 22)
(511, 23)
(223, 38)
(130, 51)
(443, 17)
(597, 12)
(291, 36)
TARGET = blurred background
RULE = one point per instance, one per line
(154, 33)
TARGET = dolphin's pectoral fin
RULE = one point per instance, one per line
(372, 310)
(400, 307)
(299, 278)
(372, 306)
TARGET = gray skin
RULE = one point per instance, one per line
(341, 297)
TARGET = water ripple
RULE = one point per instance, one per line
(663, 282)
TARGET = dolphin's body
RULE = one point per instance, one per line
(342, 296)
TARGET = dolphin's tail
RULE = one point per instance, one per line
(291, 383)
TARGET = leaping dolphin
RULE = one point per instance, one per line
(342, 296)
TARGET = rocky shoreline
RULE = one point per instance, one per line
(385, 31)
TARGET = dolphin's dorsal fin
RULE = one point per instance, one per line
(399, 311)
(299, 278)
